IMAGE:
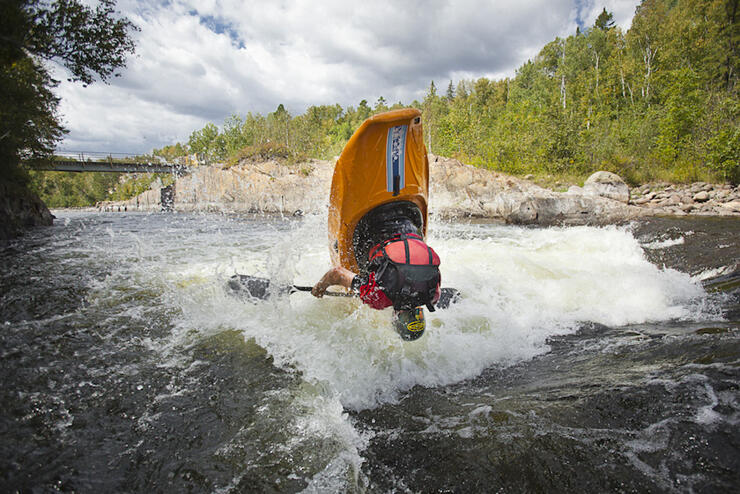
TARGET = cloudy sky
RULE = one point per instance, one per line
(199, 61)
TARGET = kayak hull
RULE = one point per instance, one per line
(384, 161)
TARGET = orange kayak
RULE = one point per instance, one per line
(384, 161)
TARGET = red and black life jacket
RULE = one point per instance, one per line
(407, 271)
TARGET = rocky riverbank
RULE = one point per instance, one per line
(20, 208)
(457, 190)
(698, 199)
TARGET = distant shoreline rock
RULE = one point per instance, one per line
(699, 198)
(456, 191)
(459, 190)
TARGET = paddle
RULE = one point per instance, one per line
(259, 288)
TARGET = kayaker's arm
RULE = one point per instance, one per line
(335, 276)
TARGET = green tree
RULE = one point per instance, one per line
(433, 111)
(233, 138)
(279, 122)
(204, 143)
(89, 43)
(604, 21)
(171, 152)
(450, 91)
(380, 105)
(363, 112)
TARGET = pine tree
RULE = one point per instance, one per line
(604, 21)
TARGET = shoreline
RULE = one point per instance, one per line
(432, 214)
(457, 190)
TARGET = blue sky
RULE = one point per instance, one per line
(201, 61)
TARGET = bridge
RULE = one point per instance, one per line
(100, 162)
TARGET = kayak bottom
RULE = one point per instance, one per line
(409, 324)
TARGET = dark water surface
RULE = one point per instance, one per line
(580, 360)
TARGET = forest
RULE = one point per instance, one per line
(658, 102)
(71, 189)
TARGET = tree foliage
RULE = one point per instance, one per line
(320, 132)
(69, 189)
(659, 101)
(88, 42)
(72, 189)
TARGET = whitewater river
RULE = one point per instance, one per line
(579, 360)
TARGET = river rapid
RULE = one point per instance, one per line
(579, 359)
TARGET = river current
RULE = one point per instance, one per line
(579, 359)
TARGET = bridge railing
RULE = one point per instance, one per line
(188, 160)
(78, 161)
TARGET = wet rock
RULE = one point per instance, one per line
(19, 209)
(607, 184)
(525, 214)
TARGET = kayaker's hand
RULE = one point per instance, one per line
(319, 288)
(335, 276)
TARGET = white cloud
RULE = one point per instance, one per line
(200, 61)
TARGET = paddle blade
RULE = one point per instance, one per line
(447, 297)
(250, 286)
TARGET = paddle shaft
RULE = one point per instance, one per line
(259, 288)
(299, 288)
(447, 297)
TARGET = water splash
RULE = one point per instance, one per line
(520, 286)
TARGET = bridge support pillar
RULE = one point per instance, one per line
(167, 198)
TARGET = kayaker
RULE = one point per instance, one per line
(396, 267)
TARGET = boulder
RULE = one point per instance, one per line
(609, 185)
(702, 196)
(674, 200)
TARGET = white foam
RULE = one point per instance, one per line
(664, 244)
(708, 274)
(520, 286)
